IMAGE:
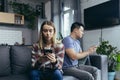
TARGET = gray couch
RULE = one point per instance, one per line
(15, 63)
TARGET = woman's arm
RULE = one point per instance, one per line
(59, 55)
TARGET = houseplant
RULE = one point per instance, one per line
(117, 77)
(59, 37)
(113, 54)
(28, 11)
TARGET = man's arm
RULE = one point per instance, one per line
(73, 55)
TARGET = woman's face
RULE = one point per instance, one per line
(48, 32)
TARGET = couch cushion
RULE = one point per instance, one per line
(4, 61)
(20, 59)
(16, 77)
(65, 77)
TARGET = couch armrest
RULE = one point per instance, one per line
(100, 61)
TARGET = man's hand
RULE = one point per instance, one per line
(92, 49)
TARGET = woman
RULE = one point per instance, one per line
(47, 55)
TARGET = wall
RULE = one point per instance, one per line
(30, 36)
(26, 33)
(93, 37)
(110, 34)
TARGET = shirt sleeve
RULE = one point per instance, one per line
(35, 56)
(59, 56)
(68, 43)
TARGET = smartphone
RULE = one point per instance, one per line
(47, 51)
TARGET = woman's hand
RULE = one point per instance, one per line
(51, 57)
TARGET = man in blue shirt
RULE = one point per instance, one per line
(74, 53)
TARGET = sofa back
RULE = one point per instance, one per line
(14, 60)
(5, 68)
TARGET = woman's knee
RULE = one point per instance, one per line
(34, 75)
(58, 74)
(34, 72)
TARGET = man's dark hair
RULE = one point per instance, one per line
(76, 25)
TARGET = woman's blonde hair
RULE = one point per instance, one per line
(41, 41)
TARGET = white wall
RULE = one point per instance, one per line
(92, 37)
(10, 37)
(26, 33)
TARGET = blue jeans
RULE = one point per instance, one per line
(46, 75)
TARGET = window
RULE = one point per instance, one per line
(68, 18)
(64, 13)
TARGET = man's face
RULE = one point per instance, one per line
(80, 32)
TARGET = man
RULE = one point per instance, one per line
(73, 53)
